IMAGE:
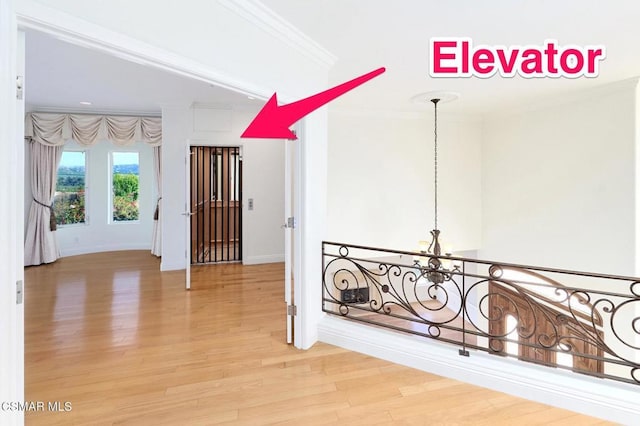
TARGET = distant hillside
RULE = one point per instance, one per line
(132, 169)
(70, 171)
(70, 179)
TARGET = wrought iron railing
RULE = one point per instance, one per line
(585, 322)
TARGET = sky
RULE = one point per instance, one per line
(72, 159)
(77, 158)
(120, 158)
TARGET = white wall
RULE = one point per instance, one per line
(637, 212)
(312, 224)
(559, 190)
(263, 180)
(558, 183)
(637, 190)
(175, 125)
(381, 179)
(100, 233)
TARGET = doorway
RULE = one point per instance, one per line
(216, 204)
(543, 330)
(118, 49)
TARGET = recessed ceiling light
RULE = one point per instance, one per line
(85, 103)
(250, 98)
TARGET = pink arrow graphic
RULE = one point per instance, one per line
(273, 121)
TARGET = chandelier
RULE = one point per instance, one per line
(435, 270)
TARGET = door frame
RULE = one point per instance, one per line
(187, 199)
(187, 215)
(232, 215)
(294, 192)
(296, 237)
(12, 210)
(76, 31)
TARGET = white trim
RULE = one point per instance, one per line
(298, 208)
(264, 18)
(18, 220)
(171, 266)
(11, 216)
(75, 251)
(188, 229)
(420, 113)
(501, 112)
(87, 195)
(68, 28)
(111, 194)
(288, 235)
(583, 95)
(200, 141)
(269, 258)
(605, 399)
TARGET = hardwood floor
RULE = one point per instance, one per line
(127, 345)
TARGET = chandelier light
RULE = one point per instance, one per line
(434, 269)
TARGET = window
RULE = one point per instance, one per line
(225, 160)
(124, 186)
(512, 328)
(69, 202)
(564, 357)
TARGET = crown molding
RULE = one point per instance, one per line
(212, 105)
(226, 107)
(266, 19)
(396, 114)
(36, 16)
(579, 95)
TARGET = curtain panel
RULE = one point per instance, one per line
(40, 245)
(55, 129)
(156, 238)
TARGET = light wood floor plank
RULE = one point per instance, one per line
(127, 345)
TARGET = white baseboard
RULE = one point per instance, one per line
(251, 260)
(75, 251)
(256, 260)
(601, 398)
(171, 266)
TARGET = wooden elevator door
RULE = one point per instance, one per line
(216, 204)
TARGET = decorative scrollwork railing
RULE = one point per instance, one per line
(585, 322)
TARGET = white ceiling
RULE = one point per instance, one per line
(367, 34)
(60, 75)
(364, 35)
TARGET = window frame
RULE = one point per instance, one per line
(86, 187)
(111, 194)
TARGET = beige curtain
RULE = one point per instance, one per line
(156, 239)
(40, 240)
(87, 129)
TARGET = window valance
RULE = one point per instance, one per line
(55, 129)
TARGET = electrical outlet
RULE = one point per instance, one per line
(250, 203)
(355, 295)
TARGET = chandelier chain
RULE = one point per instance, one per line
(435, 161)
